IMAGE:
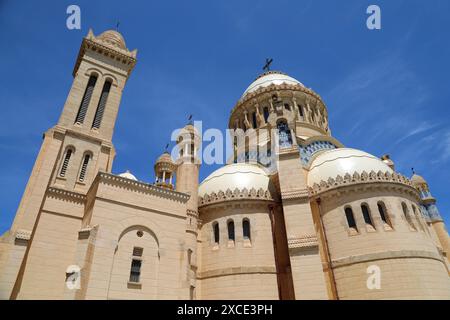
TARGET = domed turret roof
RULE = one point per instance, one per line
(417, 180)
(271, 78)
(331, 163)
(113, 37)
(165, 157)
(236, 175)
(128, 175)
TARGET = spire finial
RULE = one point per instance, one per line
(117, 25)
(266, 67)
(412, 169)
(190, 119)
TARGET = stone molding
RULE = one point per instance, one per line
(235, 271)
(295, 194)
(305, 241)
(192, 213)
(23, 234)
(237, 194)
(361, 178)
(66, 195)
(115, 180)
(127, 58)
(400, 254)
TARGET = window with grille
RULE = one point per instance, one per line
(135, 273)
(136, 264)
(137, 252)
(86, 99)
(66, 161)
(101, 105)
(84, 167)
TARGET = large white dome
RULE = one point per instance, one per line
(269, 78)
(331, 163)
(237, 175)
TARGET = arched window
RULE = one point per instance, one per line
(136, 264)
(284, 133)
(216, 232)
(300, 110)
(66, 161)
(86, 99)
(407, 216)
(266, 113)
(246, 229)
(230, 226)
(383, 213)
(350, 218)
(366, 215)
(287, 107)
(254, 120)
(84, 165)
(417, 215)
(101, 105)
(189, 257)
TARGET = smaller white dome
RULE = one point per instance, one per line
(128, 175)
(236, 175)
(269, 78)
(331, 163)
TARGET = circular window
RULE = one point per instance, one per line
(139, 233)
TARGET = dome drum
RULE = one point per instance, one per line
(283, 94)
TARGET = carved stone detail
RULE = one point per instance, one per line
(358, 178)
(305, 241)
(237, 194)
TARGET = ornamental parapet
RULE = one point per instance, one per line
(237, 194)
(363, 178)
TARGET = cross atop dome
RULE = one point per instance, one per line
(267, 65)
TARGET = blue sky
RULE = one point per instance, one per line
(386, 91)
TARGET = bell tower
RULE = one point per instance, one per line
(78, 146)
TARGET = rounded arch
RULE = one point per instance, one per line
(111, 78)
(148, 225)
(231, 229)
(93, 71)
(139, 228)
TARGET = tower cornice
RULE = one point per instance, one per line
(91, 43)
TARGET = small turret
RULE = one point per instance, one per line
(164, 170)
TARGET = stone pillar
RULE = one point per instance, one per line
(307, 271)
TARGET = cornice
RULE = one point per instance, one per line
(273, 87)
(127, 58)
(66, 195)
